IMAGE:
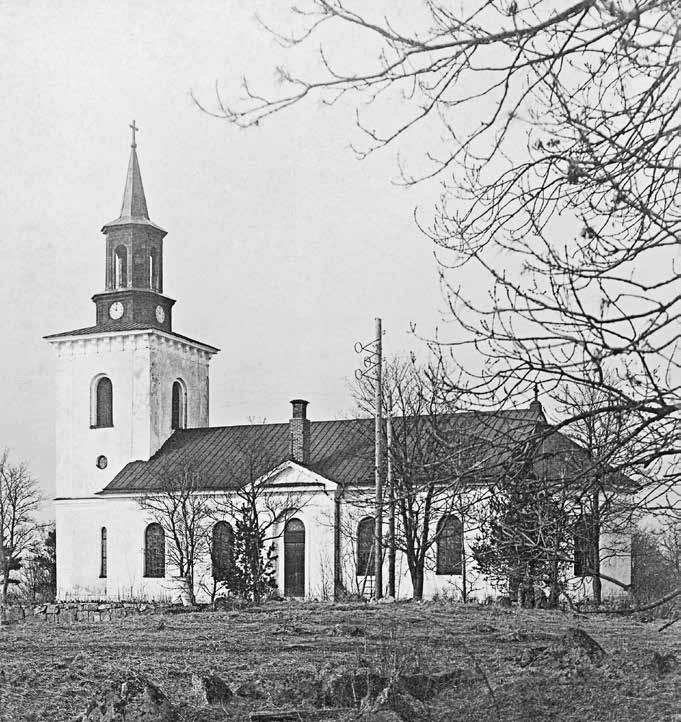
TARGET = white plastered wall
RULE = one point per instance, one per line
(142, 367)
(80, 522)
(614, 551)
(315, 508)
(172, 359)
(615, 555)
(356, 506)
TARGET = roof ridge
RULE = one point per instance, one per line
(232, 426)
(340, 449)
(346, 421)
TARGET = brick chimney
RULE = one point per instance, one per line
(299, 432)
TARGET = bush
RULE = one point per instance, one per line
(653, 575)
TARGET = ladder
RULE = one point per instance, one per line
(367, 587)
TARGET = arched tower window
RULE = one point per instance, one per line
(153, 269)
(102, 554)
(154, 551)
(121, 267)
(101, 410)
(178, 416)
(222, 551)
(449, 545)
(365, 547)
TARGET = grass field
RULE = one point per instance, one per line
(50, 672)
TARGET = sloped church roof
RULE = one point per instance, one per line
(226, 457)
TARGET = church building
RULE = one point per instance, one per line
(132, 409)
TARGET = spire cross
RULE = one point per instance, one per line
(134, 128)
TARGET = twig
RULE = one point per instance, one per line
(652, 605)
(297, 714)
(572, 606)
(481, 671)
(668, 624)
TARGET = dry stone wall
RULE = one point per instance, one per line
(68, 612)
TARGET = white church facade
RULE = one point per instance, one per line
(132, 404)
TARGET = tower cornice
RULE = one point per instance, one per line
(87, 335)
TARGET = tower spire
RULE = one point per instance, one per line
(134, 209)
(134, 201)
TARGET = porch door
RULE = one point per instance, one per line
(294, 558)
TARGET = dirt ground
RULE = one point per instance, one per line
(282, 650)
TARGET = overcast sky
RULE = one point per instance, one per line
(282, 247)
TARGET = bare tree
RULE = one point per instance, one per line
(427, 474)
(554, 128)
(487, 469)
(39, 573)
(608, 498)
(655, 579)
(183, 509)
(20, 498)
(527, 530)
(669, 544)
(256, 510)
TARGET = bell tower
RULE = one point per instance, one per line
(127, 383)
(133, 295)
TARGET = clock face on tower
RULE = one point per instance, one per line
(116, 310)
(160, 314)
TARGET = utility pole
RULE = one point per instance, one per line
(373, 372)
(378, 431)
(391, 507)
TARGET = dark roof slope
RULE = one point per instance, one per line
(225, 457)
(342, 451)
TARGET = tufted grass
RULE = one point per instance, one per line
(49, 672)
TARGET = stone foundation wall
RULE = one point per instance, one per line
(67, 612)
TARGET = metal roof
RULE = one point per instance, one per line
(134, 206)
(343, 451)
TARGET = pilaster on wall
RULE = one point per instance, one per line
(172, 359)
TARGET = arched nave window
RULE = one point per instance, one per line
(222, 551)
(101, 409)
(449, 545)
(121, 267)
(294, 558)
(584, 546)
(365, 547)
(102, 554)
(179, 406)
(154, 551)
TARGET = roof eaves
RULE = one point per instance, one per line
(134, 327)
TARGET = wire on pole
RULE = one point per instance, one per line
(373, 370)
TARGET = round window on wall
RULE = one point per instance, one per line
(102, 462)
